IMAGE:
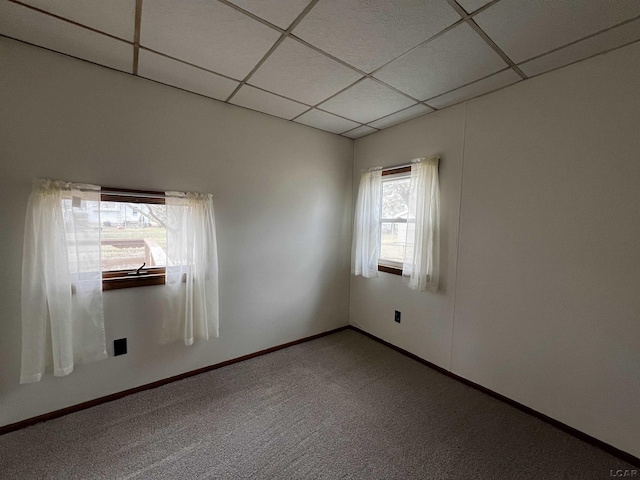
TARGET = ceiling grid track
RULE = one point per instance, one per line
(136, 37)
(371, 74)
(142, 47)
(284, 35)
(469, 83)
(391, 114)
(496, 48)
(71, 22)
(605, 30)
(615, 33)
(251, 15)
(471, 22)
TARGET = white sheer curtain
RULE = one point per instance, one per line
(366, 227)
(61, 252)
(420, 268)
(192, 269)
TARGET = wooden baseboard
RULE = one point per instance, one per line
(114, 396)
(627, 457)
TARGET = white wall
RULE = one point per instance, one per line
(282, 195)
(426, 318)
(547, 307)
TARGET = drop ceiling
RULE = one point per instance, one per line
(349, 67)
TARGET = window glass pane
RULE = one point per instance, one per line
(395, 198)
(393, 237)
(133, 234)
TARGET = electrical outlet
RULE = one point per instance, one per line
(119, 347)
(396, 318)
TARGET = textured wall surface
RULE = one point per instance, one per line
(546, 286)
(426, 318)
(282, 196)
(547, 305)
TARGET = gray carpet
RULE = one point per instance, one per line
(342, 406)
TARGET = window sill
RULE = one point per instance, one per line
(121, 279)
(391, 270)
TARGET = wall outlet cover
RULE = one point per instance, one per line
(119, 347)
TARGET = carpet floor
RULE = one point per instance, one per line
(342, 406)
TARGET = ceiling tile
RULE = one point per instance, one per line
(279, 12)
(360, 132)
(265, 102)
(472, 5)
(455, 58)
(30, 26)
(616, 37)
(165, 70)
(402, 116)
(208, 34)
(296, 71)
(325, 121)
(369, 33)
(486, 85)
(366, 101)
(116, 17)
(526, 28)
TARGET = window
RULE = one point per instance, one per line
(64, 269)
(393, 219)
(133, 238)
(396, 223)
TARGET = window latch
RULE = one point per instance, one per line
(139, 271)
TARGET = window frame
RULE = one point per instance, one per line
(389, 266)
(116, 279)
